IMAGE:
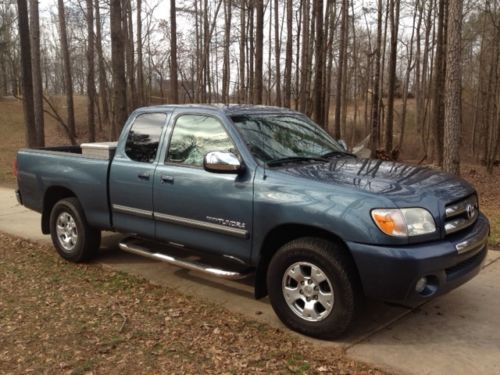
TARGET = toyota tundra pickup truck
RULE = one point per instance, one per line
(263, 191)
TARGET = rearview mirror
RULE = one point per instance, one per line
(221, 162)
(343, 144)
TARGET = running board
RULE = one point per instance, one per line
(129, 246)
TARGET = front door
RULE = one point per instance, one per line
(132, 174)
(196, 208)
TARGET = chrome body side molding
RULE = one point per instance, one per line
(132, 211)
(178, 220)
(198, 224)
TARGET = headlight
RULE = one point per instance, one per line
(404, 222)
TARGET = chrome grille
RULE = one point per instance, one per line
(461, 214)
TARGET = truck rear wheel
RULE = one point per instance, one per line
(313, 287)
(74, 239)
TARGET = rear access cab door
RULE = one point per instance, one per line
(132, 173)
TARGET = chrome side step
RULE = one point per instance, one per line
(130, 246)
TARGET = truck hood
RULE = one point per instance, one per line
(404, 184)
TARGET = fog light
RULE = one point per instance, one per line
(421, 284)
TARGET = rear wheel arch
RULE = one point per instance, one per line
(284, 234)
(53, 195)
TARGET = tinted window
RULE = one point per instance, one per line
(194, 136)
(144, 137)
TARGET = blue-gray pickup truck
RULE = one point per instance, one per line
(263, 191)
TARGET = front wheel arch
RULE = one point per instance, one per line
(284, 234)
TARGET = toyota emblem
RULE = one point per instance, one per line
(470, 211)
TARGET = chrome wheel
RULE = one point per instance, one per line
(67, 233)
(308, 291)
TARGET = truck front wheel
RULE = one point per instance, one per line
(74, 239)
(312, 287)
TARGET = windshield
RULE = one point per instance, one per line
(275, 137)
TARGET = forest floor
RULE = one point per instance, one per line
(58, 317)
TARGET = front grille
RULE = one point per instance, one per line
(461, 214)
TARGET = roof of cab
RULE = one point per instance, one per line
(228, 109)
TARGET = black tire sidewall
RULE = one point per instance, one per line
(322, 254)
(71, 206)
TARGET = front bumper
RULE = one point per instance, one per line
(391, 273)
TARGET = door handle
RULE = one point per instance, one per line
(167, 179)
(144, 176)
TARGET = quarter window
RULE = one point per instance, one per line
(144, 137)
(194, 136)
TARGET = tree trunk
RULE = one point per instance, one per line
(277, 52)
(27, 77)
(318, 98)
(453, 89)
(288, 55)
(129, 52)
(103, 82)
(340, 70)
(174, 89)
(304, 68)
(259, 50)
(243, 44)
(439, 84)
(375, 112)
(118, 63)
(68, 79)
(37, 73)
(90, 71)
(227, 41)
(141, 98)
(394, 22)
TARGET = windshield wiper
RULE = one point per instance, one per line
(336, 153)
(296, 159)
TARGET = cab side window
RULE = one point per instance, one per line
(194, 136)
(144, 137)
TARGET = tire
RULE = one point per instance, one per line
(325, 304)
(74, 239)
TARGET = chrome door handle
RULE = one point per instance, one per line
(144, 176)
(167, 179)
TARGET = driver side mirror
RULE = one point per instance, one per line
(222, 162)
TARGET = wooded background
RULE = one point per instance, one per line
(418, 79)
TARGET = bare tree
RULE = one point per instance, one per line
(243, 43)
(288, 54)
(394, 22)
(37, 74)
(259, 50)
(318, 96)
(453, 89)
(340, 71)
(103, 82)
(140, 65)
(118, 63)
(90, 71)
(227, 41)
(174, 90)
(277, 52)
(68, 79)
(439, 83)
(27, 77)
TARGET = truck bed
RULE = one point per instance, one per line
(65, 168)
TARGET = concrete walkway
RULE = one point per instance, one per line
(458, 333)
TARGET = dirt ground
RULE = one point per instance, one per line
(58, 317)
